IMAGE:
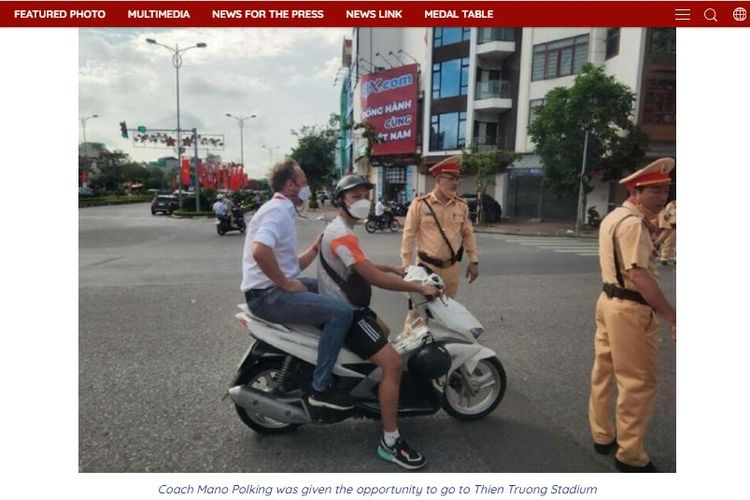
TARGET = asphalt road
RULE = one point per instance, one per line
(158, 344)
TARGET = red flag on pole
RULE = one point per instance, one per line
(186, 171)
(233, 179)
(202, 175)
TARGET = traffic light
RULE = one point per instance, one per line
(124, 129)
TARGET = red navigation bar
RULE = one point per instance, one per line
(371, 14)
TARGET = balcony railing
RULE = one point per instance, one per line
(492, 89)
(488, 142)
(486, 35)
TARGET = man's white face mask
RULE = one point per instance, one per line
(304, 193)
(360, 209)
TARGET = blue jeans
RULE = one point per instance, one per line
(309, 308)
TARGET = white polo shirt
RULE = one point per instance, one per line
(273, 226)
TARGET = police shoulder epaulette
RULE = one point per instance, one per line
(458, 198)
(423, 197)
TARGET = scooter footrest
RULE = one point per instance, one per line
(328, 415)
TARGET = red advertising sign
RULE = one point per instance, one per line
(389, 104)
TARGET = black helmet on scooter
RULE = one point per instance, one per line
(350, 182)
(432, 360)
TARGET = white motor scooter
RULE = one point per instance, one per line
(445, 366)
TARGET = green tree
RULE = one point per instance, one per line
(485, 165)
(116, 168)
(156, 179)
(314, 152)
(111, 167)
(597, 104)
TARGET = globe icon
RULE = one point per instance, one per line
(739, 14)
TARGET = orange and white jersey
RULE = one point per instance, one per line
(341, 250)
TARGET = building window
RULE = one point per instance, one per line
(448, 36)
(533, 106)
(613, 42)
(560, 58)
(659, 102)
(448, 131)
(663, 41)
(395, 175)
(450, 78)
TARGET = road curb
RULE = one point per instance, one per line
(527, 232)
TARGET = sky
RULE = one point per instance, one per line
(285, 76)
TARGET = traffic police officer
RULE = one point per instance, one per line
(626, 341)
(440, 222)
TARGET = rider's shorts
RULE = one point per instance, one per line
(365, 338)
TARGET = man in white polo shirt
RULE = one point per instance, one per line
(271, 265)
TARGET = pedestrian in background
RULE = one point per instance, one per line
(666, 243)
(626, 344)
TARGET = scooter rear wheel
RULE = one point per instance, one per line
(371, 226)
(263, 377)
(473, 396)
(394, 225)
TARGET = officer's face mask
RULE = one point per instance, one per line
(359, 209)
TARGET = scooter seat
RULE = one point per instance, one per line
(278, 326)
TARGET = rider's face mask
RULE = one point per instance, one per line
(359, 209)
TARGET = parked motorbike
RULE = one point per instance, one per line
(224, 224)
(386, 221)
(445, 367)
(593, 219)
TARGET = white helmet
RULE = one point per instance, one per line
(219, 196)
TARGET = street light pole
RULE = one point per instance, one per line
(270, 153)
(84, 119)
(241, 122)
(177, 63)
(581, 192)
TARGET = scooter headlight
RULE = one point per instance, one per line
(477, 332)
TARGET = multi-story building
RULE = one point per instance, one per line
(643, 59)
(383, 51)
(467, 82)
(479, 87)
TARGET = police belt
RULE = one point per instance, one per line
(435, 261)
(614, 291)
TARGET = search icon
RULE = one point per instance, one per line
(710, 15)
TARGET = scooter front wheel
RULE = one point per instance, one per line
(371, 226)
(471, 396)
(263, 377)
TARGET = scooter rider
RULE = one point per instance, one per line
(345, 272)
(271, 265)
(219, 207)
(224, 207)
(379, 210)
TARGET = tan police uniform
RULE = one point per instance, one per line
(432, 249)
(626, 346)
(668, 221)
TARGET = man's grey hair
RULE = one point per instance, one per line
(283, 171)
